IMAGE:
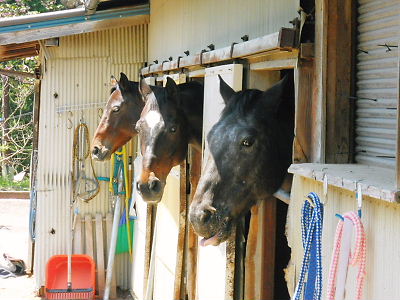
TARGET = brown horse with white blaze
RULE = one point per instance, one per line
(171, 119)
(117, 125)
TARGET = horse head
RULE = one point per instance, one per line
(116, 126)
(250, 149)
(166, 127)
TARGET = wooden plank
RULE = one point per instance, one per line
(303, 147)
(150, 219)
(283, 40)
(230, 265)
(271, 65)
(339, 80)
(252, 275)
(179, 285)
(100, 255)
(195, 169)
(268, 248)
(89, 236)
(78, 247)
(109, 221)
(318, 108)
(13, 73)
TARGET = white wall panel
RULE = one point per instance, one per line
(78, 71)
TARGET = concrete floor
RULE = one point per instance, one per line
(14, 238)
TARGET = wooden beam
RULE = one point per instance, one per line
(12, 73)
(284, 40)
(340, 28)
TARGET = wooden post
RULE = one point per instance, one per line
(195, 170)
(150, 220)
(180, 251)
(340, 29)
(268, 248)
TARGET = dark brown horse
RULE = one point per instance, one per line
(171, 119)
(117, 125)
(250, 151)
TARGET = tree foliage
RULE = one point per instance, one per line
(16, 131)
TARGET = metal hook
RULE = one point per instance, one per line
(179, 60)
(231, 52)
(201, 57)
(69, 121)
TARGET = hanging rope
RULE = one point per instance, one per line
(357, 257)
(311, 229)
(84, 187)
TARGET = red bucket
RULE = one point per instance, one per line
(83, 277)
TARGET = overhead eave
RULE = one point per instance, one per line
(74, 21)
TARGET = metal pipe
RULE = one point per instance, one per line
(42, 17)
(113, 243)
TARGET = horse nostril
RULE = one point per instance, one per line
(95, 150)
(155, 186)
(137, 186)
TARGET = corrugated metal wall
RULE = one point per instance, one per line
(77, 73)
(381, 220)
(179, 25)
(377, 78)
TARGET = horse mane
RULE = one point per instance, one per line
(242, 102)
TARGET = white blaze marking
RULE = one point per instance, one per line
(152, 118)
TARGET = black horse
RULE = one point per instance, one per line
(250, 151)
(171, 119)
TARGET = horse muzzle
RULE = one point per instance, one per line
(151, 191)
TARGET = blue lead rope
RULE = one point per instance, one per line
(311, 268)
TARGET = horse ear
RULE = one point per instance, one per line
(123, 82)
(275, 95)
(172, 89)
(226, 91)
(144, 89)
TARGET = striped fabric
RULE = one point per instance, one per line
(357, 257)
(311, 268)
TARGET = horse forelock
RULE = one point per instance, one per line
(242, 102)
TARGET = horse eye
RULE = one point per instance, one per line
(115, 108)
(172, 129)
(247, 142)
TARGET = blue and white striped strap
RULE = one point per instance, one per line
(311, 229)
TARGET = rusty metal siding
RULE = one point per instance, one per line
(381, 220)
(377, 78)
(78, 73)
(179, 25)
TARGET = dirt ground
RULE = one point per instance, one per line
(14, 237)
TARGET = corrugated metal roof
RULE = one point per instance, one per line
(62, 23)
